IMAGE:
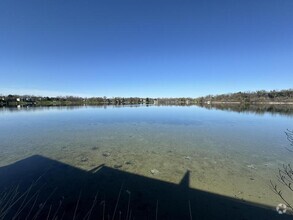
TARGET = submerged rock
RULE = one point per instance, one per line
(129, 162)
(106, 154)
(84, 159)
(154, 171)
(251, 166)
(95, 148)
(117, 166)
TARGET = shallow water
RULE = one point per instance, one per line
(228, 153)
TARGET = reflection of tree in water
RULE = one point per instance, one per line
(285, 178)
(259, 109)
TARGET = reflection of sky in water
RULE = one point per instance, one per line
(224, 147)
(243, 137)
(186, 125)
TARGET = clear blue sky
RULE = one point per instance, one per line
(155, 48)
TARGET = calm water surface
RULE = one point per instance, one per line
(228, 153)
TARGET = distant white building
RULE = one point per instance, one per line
(18, 99)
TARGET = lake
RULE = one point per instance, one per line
(227, 153)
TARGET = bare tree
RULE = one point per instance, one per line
(285, 178)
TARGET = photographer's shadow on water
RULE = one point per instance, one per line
(41, 188)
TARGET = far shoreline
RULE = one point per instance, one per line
(250, 103)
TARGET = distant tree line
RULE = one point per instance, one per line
(258, 97)
(26, 100)
(261, 96)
